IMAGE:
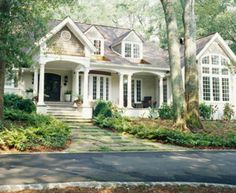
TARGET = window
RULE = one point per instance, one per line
(215, 85)
(215, 60)
(136, 90)
(80, 84)
(9, 83)
(165, 93)
(100, 87)
(136, 50)
(216, 88)
(205, 70)
(94, 87)
(225, 89)
(205, 60)
(128, 50)
(206, 88)
(133, 100)
(132, 50)
(107, 89)
(97, 44)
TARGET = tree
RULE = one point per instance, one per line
(175, 63)
(22, 23)
(191, 70)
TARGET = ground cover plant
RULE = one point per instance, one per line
(217, 134)
(24, 130)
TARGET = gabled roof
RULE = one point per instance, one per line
(73, 27)
(93, 27)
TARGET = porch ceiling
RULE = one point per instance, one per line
(62, 65)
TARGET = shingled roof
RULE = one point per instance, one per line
(152, 55)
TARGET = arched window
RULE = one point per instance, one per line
(215, 78)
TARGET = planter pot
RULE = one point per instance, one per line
(68, 97)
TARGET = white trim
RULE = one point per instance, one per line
(210, 75)
(73, 27)
(225, 47)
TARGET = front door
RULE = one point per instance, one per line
(52, 87)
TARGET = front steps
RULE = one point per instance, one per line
(67, 113)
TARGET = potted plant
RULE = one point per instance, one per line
(78, 101)
(68, 96)
(29, 93)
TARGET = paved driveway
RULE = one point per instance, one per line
(211, 167)
(93, 139)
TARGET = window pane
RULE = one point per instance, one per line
(215, 71)
(136, 51)
(205, 70)
(225, 71)
(205, 60)
(138, 90)
(94, 87)
(216, 88)
(215, 60)
(107, 89)
(101, 87)
(125, 94)
(80, 84)
(206, 88)
(225, 89)
(97, 44)
(127, 50)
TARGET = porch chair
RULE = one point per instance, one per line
(147, 101)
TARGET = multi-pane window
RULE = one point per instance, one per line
(94, 87)
(215, 85)
(138, 91)
(107, 89)
(216, 88)
(132, 50)
(225, 89)
(97, 44)
(101, 87)
(132, 86)
(80, 84)
(215, 60)
(128, 48)
(165, 93)
(206, 88)
(136, 50)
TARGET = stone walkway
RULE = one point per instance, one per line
(89, 138)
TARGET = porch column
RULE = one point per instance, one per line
(161, 90)
(129, 93)
(41, 84)
(121, 90)
(35, 91)
(85, 97)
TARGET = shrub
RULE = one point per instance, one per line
(153, 113)
(228, 112)
(103, 108)
(16, 102)
(205, 111)
(166, 112)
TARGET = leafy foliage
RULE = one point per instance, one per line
(16, 102)
(228, 112)
(166, 111)
(103, 109)
(167, 135)
(205, 111)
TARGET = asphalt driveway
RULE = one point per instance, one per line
(209, 167)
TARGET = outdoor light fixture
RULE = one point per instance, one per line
(65, 80)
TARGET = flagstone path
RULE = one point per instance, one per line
(89, 138)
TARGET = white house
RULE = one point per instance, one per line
(117, 65)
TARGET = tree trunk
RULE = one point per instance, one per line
(191, 69)
(2, 83)
(175, 64)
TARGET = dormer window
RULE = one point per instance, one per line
(97, 44)
(132, 50)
